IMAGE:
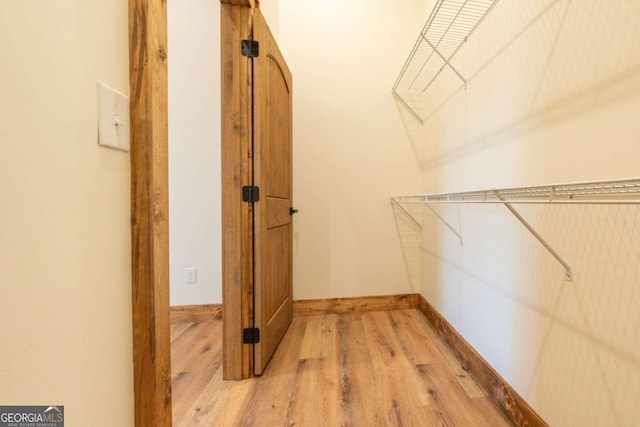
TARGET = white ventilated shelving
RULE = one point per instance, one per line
(448, 27)
(619, 191)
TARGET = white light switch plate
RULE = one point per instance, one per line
(113, 118)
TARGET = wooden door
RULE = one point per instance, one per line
(272, 121)
(256, 152)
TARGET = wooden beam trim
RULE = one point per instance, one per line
(149, 212)
(511, 403)
(355, 304)
(195, 313)
(245, 3)
(237, 250)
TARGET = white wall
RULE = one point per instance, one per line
(349, 147)
(194, 150)
(270, 9)
(553, 95)
(65, 272)
(344, 58)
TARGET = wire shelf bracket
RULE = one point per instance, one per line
(613, 192)
(449, 226)
(568, 273)
(404, 210)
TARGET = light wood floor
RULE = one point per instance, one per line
(360, 369)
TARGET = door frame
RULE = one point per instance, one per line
(237, 171)
(150, 210)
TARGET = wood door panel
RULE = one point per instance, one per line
(276, 277)
(273, 334)
(279, 164)
(278, 212)
(272, 148)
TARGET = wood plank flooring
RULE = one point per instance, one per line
(378, 368)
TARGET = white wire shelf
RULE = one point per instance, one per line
(448, 27)
(619, 191)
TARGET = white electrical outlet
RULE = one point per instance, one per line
(191, 275)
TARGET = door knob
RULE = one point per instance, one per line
(293, 211)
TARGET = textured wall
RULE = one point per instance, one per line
(350, 153)
(65, 270)
(552, 95)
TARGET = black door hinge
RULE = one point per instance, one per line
(250, 336)
(250, 193)
(250, 48)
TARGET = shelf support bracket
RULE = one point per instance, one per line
(444, 221)
(446, 61)
(568, 275)
(408, 107)
(406, 212)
